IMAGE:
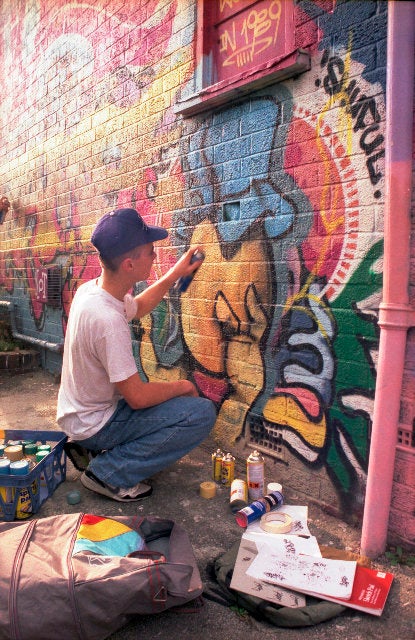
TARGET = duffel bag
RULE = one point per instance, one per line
(78, 576)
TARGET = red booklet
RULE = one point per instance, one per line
(370, 591)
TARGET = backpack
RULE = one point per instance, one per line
(77, 576)
(220, 571)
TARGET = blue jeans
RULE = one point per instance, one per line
(136, 444)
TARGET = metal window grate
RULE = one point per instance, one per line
(406, 438)
(266, 437)
(54, 286)
(49, 285)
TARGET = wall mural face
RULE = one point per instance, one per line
(284, 190)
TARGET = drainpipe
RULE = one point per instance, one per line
(395, 313)
(44, 344)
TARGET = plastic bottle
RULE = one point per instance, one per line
(24, 502)
(44, 447)
(5, 492)
(40, 456)
(14, 452)
(30, 450)
(4, 467)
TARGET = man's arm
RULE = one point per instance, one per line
(140, 395)
(148, 299)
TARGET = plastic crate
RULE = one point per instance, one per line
(42, 480)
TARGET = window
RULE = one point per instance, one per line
(241, 45)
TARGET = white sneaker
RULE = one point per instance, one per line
(121, 494)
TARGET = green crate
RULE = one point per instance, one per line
(42, 480)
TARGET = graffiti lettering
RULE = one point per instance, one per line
(361, 108)
(257, 33)
(364, 112)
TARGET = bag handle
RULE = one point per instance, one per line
(14, 581)
(147, 554)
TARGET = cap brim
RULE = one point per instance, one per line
(155, 233)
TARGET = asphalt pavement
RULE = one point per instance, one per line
(212, 529)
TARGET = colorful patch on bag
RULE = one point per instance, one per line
(106, 537)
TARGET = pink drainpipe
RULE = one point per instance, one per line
(395, 312)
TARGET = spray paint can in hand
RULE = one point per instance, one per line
(183, 282)
(255, 466)
(258, 508)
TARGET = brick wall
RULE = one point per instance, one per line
(283, 186)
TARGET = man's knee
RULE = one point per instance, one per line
(207, 412)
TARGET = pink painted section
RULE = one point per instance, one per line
(396, 315)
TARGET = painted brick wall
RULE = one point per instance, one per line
(284, 188)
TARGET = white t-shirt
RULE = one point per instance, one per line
(97, 353)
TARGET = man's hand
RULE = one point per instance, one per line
(184, 266)
(192, 391)
(150, 297)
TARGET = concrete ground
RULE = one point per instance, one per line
(28, 401)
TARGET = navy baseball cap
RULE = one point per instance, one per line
(122, 230)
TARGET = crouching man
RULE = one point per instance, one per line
(133, 428)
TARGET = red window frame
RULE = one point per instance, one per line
(241, 46)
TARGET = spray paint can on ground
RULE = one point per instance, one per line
(228, 470)
(239, 495)
(217, 457)
(258, 508)
(255, 465)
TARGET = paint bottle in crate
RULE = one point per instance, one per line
(44, 447)
(24, 501)
(14, 452)
(5, 492)
(40, 456)
(30, 450)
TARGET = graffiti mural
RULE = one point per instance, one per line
(94, 86)
(283, 188)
